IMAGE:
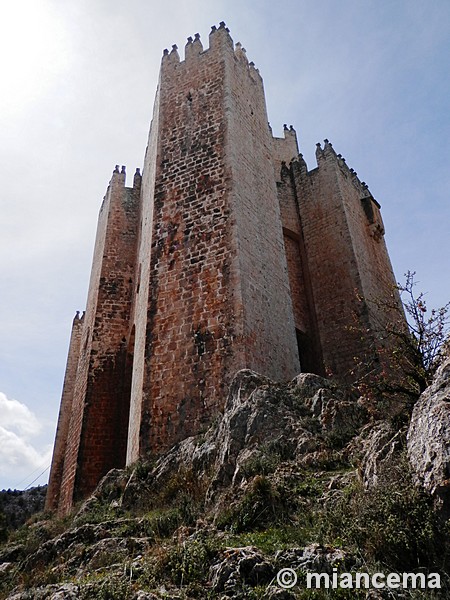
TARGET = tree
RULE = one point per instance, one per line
(428, 333)
(408, 351)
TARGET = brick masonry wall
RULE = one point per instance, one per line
(268, 325)
(139, 310)
(305, 319)
(65, 411)
(187, 358)
(297, 284)
(98, 426)
(345, 258)
(284, 149)
(215, 289)
(374, 265)
(230, 255)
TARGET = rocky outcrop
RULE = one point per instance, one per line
(226, 510)
(238, 566)
(429, 439)
(264, 424)
(68, 591)
(374, 449)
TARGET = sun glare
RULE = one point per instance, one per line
(32, 50)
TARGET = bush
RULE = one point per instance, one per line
(392, 523)
(261, 506)
(186, 563)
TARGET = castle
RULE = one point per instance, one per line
(227, 253)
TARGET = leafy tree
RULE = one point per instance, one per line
(428, 333)
(409, 351)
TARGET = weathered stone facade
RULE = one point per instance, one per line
(228, 254)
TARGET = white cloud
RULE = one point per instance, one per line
(18, 417)
(20, 458)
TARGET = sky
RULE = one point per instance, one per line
(76, 95)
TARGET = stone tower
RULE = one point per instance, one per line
(227, 254)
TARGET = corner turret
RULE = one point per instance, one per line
(220, 36)
(285, 149)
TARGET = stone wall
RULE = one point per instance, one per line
(346, 253)
(217, 297)
(65, 412)
(97, 433)
(229, 254)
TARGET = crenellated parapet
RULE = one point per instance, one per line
(219, 41)
(119, 177)
(193, 47)
(328, 154)
(371, 207)
(117, 185)
(299, 165)
(285, 149)
(137, 181)
(218, 37)
(78, 320)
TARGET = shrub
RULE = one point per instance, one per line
(393, 523)
(261, 505)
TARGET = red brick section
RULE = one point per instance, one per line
(346, 256)
(230, 255)
(65, 411)
(97, 434)
(305, 318)
(218, 294)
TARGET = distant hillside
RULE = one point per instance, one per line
(17, 506)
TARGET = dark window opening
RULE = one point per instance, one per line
(305, 352)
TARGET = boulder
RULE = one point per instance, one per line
(429, 439)
(377, 445)
(238, 566)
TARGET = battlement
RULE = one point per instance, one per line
(118, 182)
(219, 40)
(77, 320)
(285, 149)
(298, 164)
(194, 46)
(119, 176)
(328, 153)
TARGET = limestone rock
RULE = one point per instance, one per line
(264, 423)
(374, 448)
(78, 547)
(315, 557)
(238, 566)
(429, 439)
(70, 591)
(5, 567)
(67, 591)
(11, 553)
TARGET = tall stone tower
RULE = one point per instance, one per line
(227, 254)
